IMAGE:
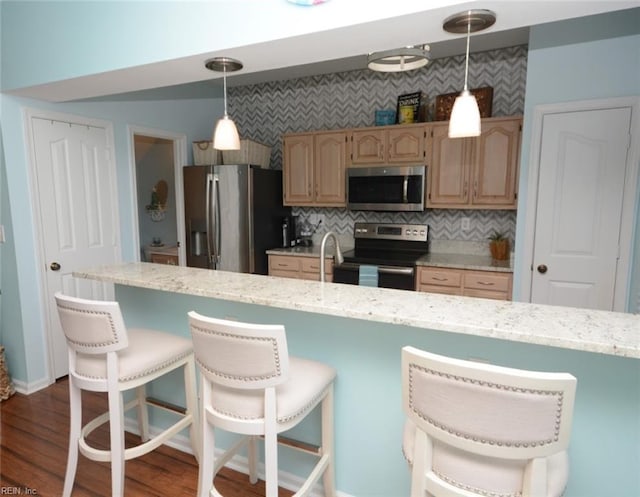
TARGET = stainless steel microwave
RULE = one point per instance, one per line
(386, 188)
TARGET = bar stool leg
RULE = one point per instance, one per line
(192, 407)
(328, 477)
(143, 413)
(75, 432)
(116, 429)
(253, 459)
(205, 473)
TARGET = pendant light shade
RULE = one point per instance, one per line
(225, 134)
(465, 115)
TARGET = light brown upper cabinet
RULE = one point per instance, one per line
(389, 145)
(475, 173)
(314, 168)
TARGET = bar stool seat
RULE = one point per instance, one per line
(251, 386)
(105, 356)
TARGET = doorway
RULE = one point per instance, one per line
(157, 158)
(581, 204)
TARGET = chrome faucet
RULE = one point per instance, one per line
(338, 255)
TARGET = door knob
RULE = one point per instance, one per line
(542, 268)
(55, 266)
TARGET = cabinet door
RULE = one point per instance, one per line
(368, 146)
(298, 170)
(329, 168)
(496, 168)
(406, 145)
(449, 169)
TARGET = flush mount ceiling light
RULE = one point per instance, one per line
(225, 135)
(399, 59)
(465, 115)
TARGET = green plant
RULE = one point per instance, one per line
(497, 236)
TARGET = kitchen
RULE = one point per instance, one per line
(32, 372)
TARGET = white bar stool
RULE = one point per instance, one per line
(106, 357)
(476, 430)
(250, 386)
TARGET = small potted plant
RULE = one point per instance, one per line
(499, 246)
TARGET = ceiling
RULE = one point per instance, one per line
(333, 50)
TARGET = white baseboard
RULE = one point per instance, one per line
(29, 388)
(238, 463)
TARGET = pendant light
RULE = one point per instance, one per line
(465, 115)
(225, 135)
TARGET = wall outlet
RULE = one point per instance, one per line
(465, 224)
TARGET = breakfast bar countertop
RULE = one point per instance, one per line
(602, 332)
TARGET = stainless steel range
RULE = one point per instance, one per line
(393, 248)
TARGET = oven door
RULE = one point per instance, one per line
(398, 277)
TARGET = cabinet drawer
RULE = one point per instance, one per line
(484, 280)
(312, 265)
(486, 294)
(440, 277)
(283, 263)
(283, 274)
(445, 290)
(171, 260)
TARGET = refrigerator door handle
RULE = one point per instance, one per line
(216, 213)
(209, 206)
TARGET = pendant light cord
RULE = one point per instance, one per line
(466, 63)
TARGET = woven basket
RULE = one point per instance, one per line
(204, 154)
(250, 153)
(6, 388)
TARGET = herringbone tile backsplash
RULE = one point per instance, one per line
(266, 111)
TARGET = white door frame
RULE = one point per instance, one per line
(179, 159)
(625, 241)
(28, 115)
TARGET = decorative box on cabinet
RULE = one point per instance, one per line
(389, 145)
(470, 283)
(475, 173)
(314, 169)
(300, 267)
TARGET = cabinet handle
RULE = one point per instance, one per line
(440, 279)
(485, 283)
(465, 188)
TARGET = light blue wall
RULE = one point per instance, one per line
(581, 59)
(24, 319)
(603, 453)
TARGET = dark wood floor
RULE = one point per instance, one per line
(34, 434)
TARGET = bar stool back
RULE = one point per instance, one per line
(251, 386)
(106, 357)
(475, 429)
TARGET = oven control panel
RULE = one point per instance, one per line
(392, 231)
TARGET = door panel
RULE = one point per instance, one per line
(581, 186)
(78, 215)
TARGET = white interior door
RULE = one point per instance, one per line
(583, 159)
(77, 203)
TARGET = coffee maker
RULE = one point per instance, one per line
(290, 231)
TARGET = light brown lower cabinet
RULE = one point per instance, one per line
(470, 283)
(300, 267)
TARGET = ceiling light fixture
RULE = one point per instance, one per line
(225, 135)
(465, 115)
(399, 59)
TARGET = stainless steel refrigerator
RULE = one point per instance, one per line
(233, 215)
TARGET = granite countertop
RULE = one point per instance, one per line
(313, 251)
(603, 332)
(465, 261)
(445, 260)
